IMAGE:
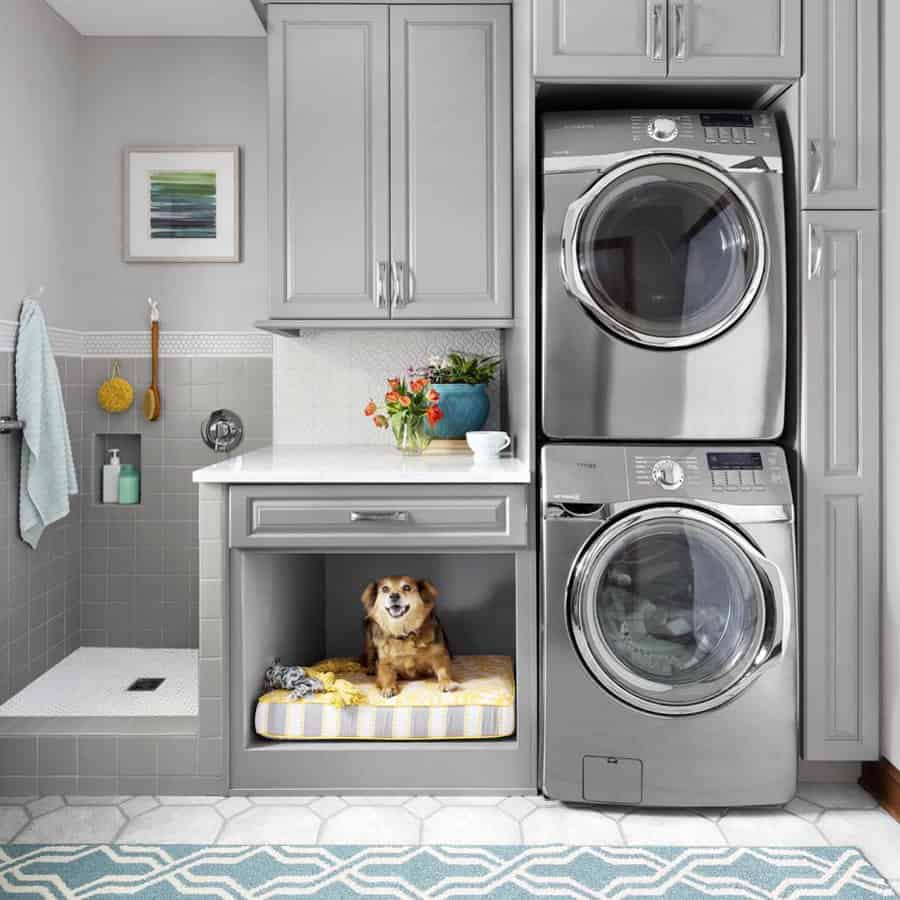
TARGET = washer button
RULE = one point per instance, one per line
(746, 478)
(718, 479)
(737, 135)
(712, 136)
(733, 480)
(759, 479)
(748, 136)
(724, 135)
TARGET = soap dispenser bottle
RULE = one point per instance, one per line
(111, 477)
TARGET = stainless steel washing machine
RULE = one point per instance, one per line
(663, 277)
(669, 638)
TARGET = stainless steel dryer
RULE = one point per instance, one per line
(669, 640)
(664, 287)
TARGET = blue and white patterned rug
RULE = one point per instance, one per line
(162, 872)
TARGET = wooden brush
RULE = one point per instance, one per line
(152, 401)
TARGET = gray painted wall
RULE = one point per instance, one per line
(38, 109)
(40, 591)
(165, 91)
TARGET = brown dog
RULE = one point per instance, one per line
(404, 638)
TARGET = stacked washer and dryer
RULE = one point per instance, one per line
(669, 638)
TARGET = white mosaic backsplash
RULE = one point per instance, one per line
(323, 379)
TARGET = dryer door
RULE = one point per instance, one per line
(664, 250)
(673, 610)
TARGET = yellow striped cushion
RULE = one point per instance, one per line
(483, 707)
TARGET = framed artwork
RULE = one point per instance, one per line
(182, 204)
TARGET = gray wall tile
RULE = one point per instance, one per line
(137, 756)
(177, 755)
(156, 545)
(97, 756)
(35, 620)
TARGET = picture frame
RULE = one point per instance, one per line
(182, 204)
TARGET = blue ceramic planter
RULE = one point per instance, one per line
(465, 408)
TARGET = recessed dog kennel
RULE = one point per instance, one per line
(302, 607)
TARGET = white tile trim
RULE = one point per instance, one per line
(66, 342)
(178, 343)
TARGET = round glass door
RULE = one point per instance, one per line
(665, 251)
(668, 610)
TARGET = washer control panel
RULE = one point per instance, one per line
(723, 474)
(727, 475)
(737, 128)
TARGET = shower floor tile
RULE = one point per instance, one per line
(93, 681)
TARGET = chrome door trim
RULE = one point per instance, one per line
(396, 286)
(680, 49)
(601, 162)
(768, 643)
(817, 166)
(816, 251)
(655, 39)
(571, 272)
(380, 274)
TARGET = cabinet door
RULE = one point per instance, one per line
(734, 38)
(600, 38)
(451, 161)
(840, 424)
(328, 160)
(840, 105)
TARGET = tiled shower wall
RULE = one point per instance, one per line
(40, 591)
(140, 564)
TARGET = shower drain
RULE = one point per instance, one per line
(146, 684)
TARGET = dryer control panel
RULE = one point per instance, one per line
(574, 136)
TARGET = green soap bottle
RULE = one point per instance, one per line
(129, 485)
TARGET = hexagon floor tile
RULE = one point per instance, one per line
(272, 825)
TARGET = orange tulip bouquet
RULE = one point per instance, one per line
(407, 406)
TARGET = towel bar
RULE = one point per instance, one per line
(8, 424)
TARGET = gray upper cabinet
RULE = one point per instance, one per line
(390, 162)
(735, 38)
(329, 205)
(615, 39)
(840, 89)
(840, 425)
(600, 38)
(451, 157)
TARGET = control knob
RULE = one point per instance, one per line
(663, 129)
(668, 474)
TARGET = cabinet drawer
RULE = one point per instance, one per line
(333, 517)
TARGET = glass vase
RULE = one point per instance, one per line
(412, 436)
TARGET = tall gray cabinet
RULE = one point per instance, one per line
(390, 161)
(840, 358)
(622, 39)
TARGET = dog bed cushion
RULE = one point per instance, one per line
(482, 707)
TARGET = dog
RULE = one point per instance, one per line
(403, 636)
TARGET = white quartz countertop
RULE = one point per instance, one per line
(359, 464)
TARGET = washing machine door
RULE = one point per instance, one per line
(674, 611)
(664, 250)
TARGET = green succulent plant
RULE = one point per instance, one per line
(461, 368)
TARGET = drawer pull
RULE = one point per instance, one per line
(379, 516)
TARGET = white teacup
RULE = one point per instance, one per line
(487, 444)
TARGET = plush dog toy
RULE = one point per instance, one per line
(291, 678)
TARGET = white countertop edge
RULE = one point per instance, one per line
(358, 464)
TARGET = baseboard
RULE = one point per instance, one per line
(882, 780)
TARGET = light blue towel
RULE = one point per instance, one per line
(48, 471)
